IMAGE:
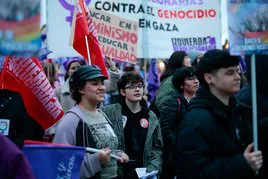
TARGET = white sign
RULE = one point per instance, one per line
(164, 26)
(59, 28)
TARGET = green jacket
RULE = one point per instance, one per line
(153, 144)
(164, 93)
(165, 89)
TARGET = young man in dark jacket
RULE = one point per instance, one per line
(214, 140)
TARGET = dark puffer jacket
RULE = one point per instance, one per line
(164, 94)
(171, 114)
(212, 138)
(245, 97)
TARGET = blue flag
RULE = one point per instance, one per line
(153, 80)
(55, 162)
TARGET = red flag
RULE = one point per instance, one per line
(82, 26)
(26, 77)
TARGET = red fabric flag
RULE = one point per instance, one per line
(82, 26)
(27, 77)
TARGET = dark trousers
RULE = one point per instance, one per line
(169, 164)
(168, 173)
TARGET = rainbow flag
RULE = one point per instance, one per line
(20, 30)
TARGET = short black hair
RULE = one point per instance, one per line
(214, 60)
(180, 75)
(129, 78)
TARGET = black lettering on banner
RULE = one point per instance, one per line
(143, 23)
(123, 7)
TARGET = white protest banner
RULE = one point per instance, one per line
(117, 37)
(164, 26)
(170, 25)
(59, 20)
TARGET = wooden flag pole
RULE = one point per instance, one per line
(88, 54)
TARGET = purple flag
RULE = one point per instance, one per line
(153, 80)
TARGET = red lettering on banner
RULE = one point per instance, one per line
(189, 14)
(116, 33)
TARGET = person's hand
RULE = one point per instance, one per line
(124, 158)
(254, 159)
(111, 63)
(104, 156)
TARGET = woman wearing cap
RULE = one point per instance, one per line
(64, 94)
(85, 125)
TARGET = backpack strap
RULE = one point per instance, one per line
(83, 133)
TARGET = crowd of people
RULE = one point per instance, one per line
(199, 124)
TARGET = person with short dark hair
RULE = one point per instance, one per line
(177, 60)
(214, 139)
(137, 127)
(86, 125)
(185, 80)
(186, 83)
